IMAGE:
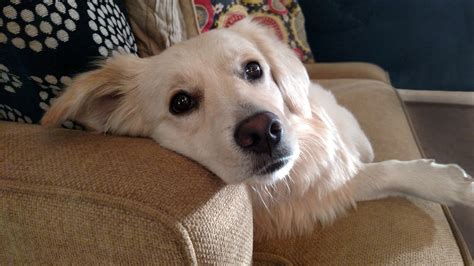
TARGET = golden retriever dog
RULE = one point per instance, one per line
(239, 102)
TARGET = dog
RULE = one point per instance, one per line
(240, 102)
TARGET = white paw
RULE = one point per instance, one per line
(453, 184)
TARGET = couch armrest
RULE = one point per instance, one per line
(71, 196)
(349, 70)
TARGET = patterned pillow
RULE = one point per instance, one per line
(45, 43)
(284, 17)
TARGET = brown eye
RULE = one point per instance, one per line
(252, 71)
(182, 103)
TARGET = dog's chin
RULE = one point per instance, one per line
(272, 173)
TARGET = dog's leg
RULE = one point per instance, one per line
(446, 184)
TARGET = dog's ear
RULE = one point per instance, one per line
(286, 68)
(102, 99)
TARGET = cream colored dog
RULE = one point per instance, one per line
(240, 102)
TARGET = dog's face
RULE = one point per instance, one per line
(226, 99)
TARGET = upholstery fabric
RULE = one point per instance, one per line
(72, 196)
(44, 43)
(347, 70)
(159, 24)
(390, 231)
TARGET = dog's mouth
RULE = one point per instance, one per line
(273, 166)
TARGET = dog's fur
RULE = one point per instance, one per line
(330, 164)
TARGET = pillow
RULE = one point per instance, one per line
(43, 44)
(158, 25)
(284, 17)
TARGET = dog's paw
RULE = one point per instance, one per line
(443, 183)
(456, 186)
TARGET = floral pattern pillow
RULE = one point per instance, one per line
(284, 17)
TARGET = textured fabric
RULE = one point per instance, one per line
(44, 43)
(159, 24)
(390, 231)
(76, 231)
(263, 259)
(190, 17)
(283, 17)
(113, 199)
(350, 70)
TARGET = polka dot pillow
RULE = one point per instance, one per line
(43, 44)
(284, 17)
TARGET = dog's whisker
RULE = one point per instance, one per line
(285, 180)
(306, 152)
(270, 196)
(263, 201)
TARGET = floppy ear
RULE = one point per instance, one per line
(286, 68)
(103, 99)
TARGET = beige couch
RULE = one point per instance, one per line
(79, 197)
(70, 197)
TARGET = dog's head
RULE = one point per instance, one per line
(226, 99)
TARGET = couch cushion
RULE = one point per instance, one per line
(390, 231)
(73, 196)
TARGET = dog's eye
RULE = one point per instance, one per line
(252, 71)
(182, 103)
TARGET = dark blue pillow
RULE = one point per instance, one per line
(43, 44)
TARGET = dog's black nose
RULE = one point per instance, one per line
(259, 133)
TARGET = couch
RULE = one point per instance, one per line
(70, 197)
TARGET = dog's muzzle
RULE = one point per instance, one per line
(261, 135)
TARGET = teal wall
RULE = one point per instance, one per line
(424, 44)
